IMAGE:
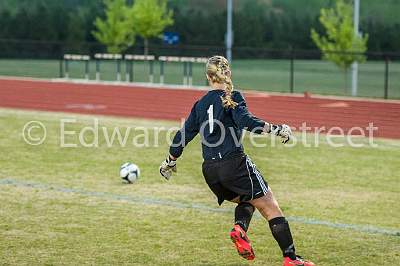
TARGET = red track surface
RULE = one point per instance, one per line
(174, 104)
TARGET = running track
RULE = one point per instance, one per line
(174, 104)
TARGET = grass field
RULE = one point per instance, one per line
(267, 75)
(67, 206)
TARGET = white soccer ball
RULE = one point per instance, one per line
(129, 172)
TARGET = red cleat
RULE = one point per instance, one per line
(297, 262)
(242, 243)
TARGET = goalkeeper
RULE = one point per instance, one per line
(219, 117)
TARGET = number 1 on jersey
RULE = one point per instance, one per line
(210, 112)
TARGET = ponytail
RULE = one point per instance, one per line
(218, 70)
(227, 100)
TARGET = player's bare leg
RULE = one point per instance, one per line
(268, 206)
(269, 209)
(243, 214)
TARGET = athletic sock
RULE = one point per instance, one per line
(243, 213)
(280, 230)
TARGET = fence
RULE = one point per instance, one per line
(253, 68)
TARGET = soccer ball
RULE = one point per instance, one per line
(129, 172)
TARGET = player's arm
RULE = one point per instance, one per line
(245, 120)
(181, 139)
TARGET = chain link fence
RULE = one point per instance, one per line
(294, 71)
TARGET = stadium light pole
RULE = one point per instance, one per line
(354, 66)
(229, 34)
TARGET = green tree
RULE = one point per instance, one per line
(115, 31)
(340, 45)
(149, 18)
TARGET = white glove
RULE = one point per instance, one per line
(167, 167)
(282, 131)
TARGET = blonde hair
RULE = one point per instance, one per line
(219, 71)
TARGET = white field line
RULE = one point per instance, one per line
(369, 229)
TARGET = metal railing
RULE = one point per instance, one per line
(286, 70)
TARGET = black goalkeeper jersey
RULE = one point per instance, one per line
(220, 128)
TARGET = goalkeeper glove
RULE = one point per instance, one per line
(167, 167)
(282, 131)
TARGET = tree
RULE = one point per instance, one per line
(251, 33)
(115, 31)
(340, 45)
(149, 18)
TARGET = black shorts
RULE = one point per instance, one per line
(233, 177)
